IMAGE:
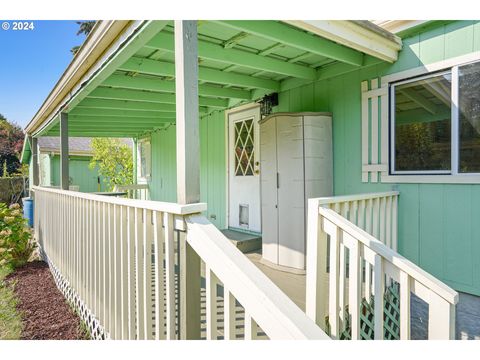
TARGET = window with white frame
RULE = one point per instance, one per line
(144, 159)
(435, 123)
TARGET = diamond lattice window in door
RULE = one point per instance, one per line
(244, 151)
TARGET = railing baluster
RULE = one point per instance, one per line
(355, 286)
(335, 240)
(251, 327)
(404, 306)
(379, 289)
(383, 209)
(131, 287)
(341, 286)
(159, 238)
(211, 310)
(375, 217)
(228, 315)
(368, 216)
(118, 240)
(170, 275)
(388, 222)
(147, 273)
(139, 273)
(394, 223)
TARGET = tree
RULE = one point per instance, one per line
(11, 143)
(114, 160)
(85, 27)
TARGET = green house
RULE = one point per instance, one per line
(309, 142)
(82, 178)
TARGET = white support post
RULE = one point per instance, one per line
(188, 133)
(188, 168)
(316, 266)
(35, 172)
(64, 176)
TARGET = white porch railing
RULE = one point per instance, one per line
(361, 269)
(376, 213)
(134, 191)
(117, 261)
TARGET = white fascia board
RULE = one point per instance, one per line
(354, 35)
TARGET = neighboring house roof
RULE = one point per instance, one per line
(80, 146)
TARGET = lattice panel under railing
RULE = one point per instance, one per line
(391, 317)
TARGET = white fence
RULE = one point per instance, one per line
(119, 257)
(359, 268)
(376, 213)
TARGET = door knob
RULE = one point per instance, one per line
(257, 171)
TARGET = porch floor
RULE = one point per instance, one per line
(467, 315)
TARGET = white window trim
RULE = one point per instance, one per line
(392, 170)
(453, 177)
(143, 179)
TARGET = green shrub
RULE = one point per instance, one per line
(16, 245)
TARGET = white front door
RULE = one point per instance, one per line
(243, 170)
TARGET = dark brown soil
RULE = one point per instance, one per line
(45, 313)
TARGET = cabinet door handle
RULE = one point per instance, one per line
(278, 180)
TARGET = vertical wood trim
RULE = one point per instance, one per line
(374, 131)
(187, 116)
(364, 89)
(384, 129)
(64, 176)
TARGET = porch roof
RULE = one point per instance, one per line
(130, 88)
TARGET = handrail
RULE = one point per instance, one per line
(355, 197)
(272, 310)
(133, 273)
(376, 213)
(172, 208)
(393, 257)
(341, 285)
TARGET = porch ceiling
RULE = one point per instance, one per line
(239, 62)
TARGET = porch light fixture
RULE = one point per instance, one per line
(267, 102)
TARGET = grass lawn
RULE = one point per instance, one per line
(10, 319)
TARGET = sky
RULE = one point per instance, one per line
(31, 63)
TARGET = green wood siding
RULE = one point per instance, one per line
(438, 226)
(438, 229)
(212, 166)
(79, 171)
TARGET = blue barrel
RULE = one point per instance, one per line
(28, 210)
